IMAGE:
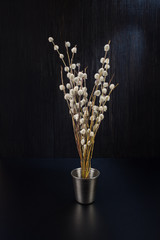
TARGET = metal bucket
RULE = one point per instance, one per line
(85, 189)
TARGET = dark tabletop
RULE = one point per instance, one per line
(37, 200)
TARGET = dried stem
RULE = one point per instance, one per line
(69, 61)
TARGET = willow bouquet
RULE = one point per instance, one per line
(86, 112)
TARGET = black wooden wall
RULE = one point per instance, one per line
(34, 119)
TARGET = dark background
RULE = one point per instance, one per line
(36, 138)
(34, 119)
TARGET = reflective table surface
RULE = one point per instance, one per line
(37, 200)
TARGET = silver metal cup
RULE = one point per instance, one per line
(85, 189)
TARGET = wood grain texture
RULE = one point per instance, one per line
(34, 119)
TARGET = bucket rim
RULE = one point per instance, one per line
(79, 169)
